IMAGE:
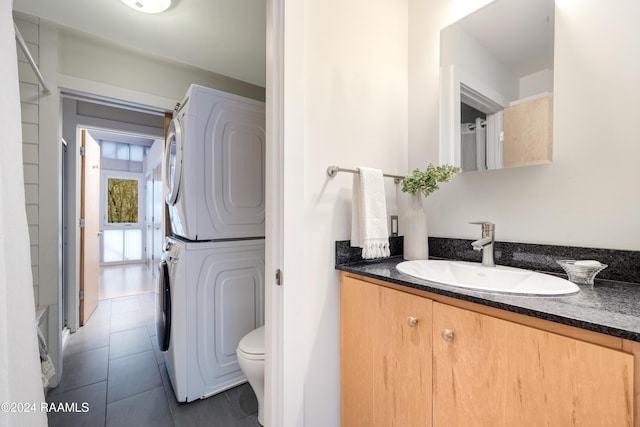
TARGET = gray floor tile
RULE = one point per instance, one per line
(133, 374)
(129, 342)
(125, 304)
(100, 314)
(90, 402)
(100, 322)
(168, 389)
(81, 369)
(151, 325)
(148, 409)
(243, 400)
(104, 304)
(87, 338)
(156, 350)
(249, 421)
(128, 320)
(147, 301)
(212, 411)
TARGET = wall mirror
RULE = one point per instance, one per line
(496, 86)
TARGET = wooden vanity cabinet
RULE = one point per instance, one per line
(459, 367)
(493, 372)
(385, 357)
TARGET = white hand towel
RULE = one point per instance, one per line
(369, 229)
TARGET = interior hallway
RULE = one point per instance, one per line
(113, 363)
(124, 280)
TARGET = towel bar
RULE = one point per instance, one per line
(333, 170)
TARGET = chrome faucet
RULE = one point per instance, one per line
(486, 243)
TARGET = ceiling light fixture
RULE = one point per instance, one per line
(148, 6)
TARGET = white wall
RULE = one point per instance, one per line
(88, 57)
(154, 156)
(589, 196)
(426, 18)
(536, 83)
(345, 104)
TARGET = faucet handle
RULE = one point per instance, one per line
(482, 223)
(486, 225)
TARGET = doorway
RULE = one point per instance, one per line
(124, 206)
(131, 144)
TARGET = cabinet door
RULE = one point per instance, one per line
(528, 133)
(385, 358)
(491, 372)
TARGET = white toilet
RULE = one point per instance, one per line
(250, 354)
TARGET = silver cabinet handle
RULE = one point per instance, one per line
(412, 321)
(99, 233)
(447, 335)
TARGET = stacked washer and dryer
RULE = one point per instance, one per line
(210, 291)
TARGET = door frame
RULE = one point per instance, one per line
(75, 88)
(275, 399)
(72, 123)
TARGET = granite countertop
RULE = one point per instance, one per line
(610, 307)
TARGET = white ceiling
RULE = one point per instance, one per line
(223, 36)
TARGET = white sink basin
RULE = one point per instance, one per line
(472, 275)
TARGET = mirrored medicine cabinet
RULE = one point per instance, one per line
(496, 86)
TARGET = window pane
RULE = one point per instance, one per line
(122, 151)
(137, 153)
(108, 149)
(132, 245)
(113, 241)
(122, 201)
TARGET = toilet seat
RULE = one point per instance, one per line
(252, 345)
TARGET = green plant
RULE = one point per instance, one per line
(427, 181)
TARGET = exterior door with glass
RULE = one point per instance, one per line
(123, 222)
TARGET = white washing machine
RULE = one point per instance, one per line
(209, 296)
(214, 166)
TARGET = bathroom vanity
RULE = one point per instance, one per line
(414, 353)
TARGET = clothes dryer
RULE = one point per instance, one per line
(214, 166)
(210, 295)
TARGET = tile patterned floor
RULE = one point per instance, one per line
(113, 364)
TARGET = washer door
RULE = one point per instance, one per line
(173, 162)
(163, 307)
